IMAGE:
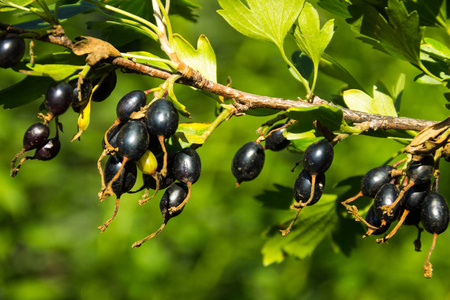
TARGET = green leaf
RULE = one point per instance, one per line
(25, 91)
(313, 225)
(330, 116)
(436, 49)
(332, 68)
(188, 134)
(303, 64)
(202, 59)
(149, 59)
(399, 33)
(382, 103)
(56, 71)
(267, 20)
(339, 8)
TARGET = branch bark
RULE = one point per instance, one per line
(243, 101)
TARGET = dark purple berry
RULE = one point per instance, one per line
(173, 197)
(386, 196)
(162, 118)
(303, 185)
(105, 88)
(187, 166)
(248, 162)
(131, 102)
(318, 157)
(49, 150)
(35, 136)
(435, 213)
(58, 98)
(86, 89)
(276, 141)
(420, 171)
(12, 49)
(126, 179)
(373, 180)
(132, 140)
(373, 220)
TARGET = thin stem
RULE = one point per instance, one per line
(166, 61)
(291, 65)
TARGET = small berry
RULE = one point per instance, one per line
(248, 162)
(12, 49)
(318, 157)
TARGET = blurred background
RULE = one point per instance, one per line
(50, 247)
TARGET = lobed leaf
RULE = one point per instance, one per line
(267, 20)
(202, 59)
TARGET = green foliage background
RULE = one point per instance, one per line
(50, 247)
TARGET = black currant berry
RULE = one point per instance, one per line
(373, 180)
(58, 98)
(105, 88)
(49, 150)
(373, 220)
(131, 102)
(276, 141)
(86, 89)
(122, 184)
(132, 140)
(435, 219)
(421, 171)
(162, 118)
(35, 136)
(386, 196)
(187, 166)
(318, 157)
(172, 198)
(413, 198)
(303, 185)
(435, 213)
(248, 162)
(111, 136)
(12, 49)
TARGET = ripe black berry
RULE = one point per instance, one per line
(248, 162)
(421, 171)
(131, 102)
(162, 118)
(35, 136)
(386, 196)
(132, 140)
(49, 150)
(86, 89)
(124, 182)
(58, 98)
(173, 197)
(373, 180)
(318, 157)
(372, 219)
(12, 49)
(105, 88)
(435, 219)
(276, 141)
(187, 166)
(303, 185)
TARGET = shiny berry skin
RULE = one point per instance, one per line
(162, 118)
(86, 89)
(49, 150)
(132, 140)
(127, 177)
(303, 185)
(58, 98)
(421, 171)
(187, 166)
(131, 102)
(373, 180)
(414, 197)
(12, 49)
(105, 88)
(373, 220)
(276, 140)
(112, 136)
(173, 196)
(147, 164)
(318, 157)
(35, 136)
(248, 162)
(386, 196)
(435, 213)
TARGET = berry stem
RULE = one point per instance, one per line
(288, 229)
(145, 198)
(388, 208)
(140, 242)
(182, 204)
(396, 228)
(427, 266)
(116, 209)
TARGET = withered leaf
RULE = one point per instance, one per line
(430, 139)
(96, 49)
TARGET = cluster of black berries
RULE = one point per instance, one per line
(407, 196)
(248, 162)
(136, 140)
(58, 99)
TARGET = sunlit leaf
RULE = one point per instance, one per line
(202, 59)
(56, 72)
(267, 20)
(382, 103)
